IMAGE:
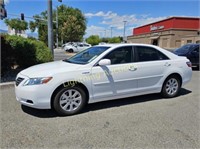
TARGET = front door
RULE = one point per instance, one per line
(194, 55)
(115, 79)
(155, 42)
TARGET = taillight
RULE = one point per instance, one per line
(189, 64)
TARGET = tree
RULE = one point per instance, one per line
(41, 24)
(17, 24)
(115, 40)
(93, 40)
(71, 24)
(105, 40)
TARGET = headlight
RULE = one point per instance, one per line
(37, 81)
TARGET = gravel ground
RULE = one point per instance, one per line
(145, 122)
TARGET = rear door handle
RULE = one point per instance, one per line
(132, 68)
(167, 64)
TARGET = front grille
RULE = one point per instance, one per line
(18, 81)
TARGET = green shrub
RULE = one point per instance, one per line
(93, 40)
(115, 40)
(23, 52)
(7, 56)
(43, 53)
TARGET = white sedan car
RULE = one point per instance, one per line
(101, 73)
(76, 47)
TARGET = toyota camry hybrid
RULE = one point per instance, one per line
(101, 73)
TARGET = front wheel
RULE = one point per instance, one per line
(71, 50)
(171, 87)
(69, 100)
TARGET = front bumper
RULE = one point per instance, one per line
(35, 96)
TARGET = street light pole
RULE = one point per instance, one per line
(50, 27)
(124, 30)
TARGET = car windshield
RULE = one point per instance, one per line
(88, 55)
(184, 49)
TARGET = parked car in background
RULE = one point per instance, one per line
(191, 51)
(76, 47)
(101, 73)
(67, 44)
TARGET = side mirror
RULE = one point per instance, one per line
(104, 62)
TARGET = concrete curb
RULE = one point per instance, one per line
(7, 83)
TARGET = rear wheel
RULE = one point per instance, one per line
(69, 100)
(171, 86)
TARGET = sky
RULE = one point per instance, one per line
(106, 14)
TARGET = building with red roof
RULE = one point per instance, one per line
(169, 33)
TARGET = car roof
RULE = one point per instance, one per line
(125, 44)
(192, 44)
(112, 46)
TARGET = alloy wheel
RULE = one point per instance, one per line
(172, 86)
(70, 100)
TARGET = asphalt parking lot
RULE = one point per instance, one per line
(60, 54)
(139, 122)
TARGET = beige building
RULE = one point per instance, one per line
(170, 33)
(15, 32)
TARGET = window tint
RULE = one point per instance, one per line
(148, 54)
(196, 49)
(120, 55)
(80, 45)
(86, 45)
(184, 49)
(88, 55)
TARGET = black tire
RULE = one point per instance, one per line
(197, 67)
(59, 107)
(71, 50)
(171, 86)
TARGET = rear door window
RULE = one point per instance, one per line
(143, 53)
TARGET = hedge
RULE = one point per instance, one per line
(22, 52)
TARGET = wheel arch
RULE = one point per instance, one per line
(174, 74)
(71, 50)
(79, 84)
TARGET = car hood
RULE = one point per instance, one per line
(49, 69)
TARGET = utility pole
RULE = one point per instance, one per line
(50, 26)
(111, 31)
(124, 30)
(57, 27)
(105, 33)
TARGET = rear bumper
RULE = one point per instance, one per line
(187, 76)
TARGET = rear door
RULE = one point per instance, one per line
(151, 65)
